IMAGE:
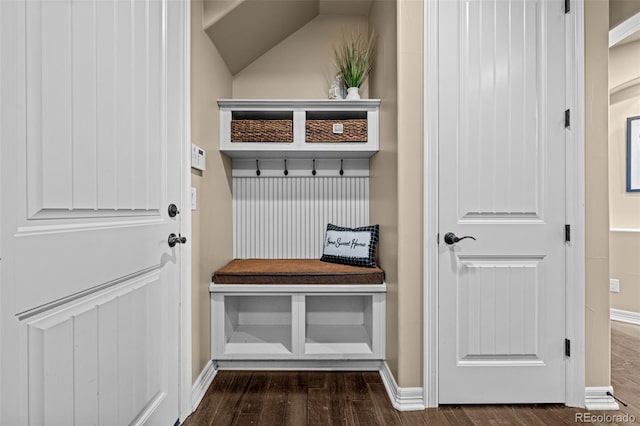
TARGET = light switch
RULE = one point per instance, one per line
(194, 199)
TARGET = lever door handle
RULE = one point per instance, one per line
(451, 238)
(176, 239)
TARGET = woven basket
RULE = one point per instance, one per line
(261, 131)
(323, 131)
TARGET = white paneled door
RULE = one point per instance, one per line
(502, 181)
(92, 134)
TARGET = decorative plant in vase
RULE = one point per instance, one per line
(354, 59)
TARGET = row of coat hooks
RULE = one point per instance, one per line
(313, 171)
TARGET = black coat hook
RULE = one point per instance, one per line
(313, 172)
(341, 167)
(257, 168)
(286, 172)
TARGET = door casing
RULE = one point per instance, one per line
(185, 368)
(575, 201)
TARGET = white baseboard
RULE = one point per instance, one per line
(596, 398)
(402, 399)
(202, 383)
(625, 316)
(298, 364)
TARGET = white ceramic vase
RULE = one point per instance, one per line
(353, 93)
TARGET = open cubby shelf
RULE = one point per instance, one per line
(255, 324)
(311, 322)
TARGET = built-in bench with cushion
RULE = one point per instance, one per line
(296, 313)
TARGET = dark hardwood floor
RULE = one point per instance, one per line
(359, 398)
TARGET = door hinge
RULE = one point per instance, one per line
(567, 118)
(567, 6)
(438, 238)
(567, 347)
(567, 233)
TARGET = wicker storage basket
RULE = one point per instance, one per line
(354, 130)
(261, 131)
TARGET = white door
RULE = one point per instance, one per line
(91, 145)
(501, 180)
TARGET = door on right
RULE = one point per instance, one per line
(501, 159)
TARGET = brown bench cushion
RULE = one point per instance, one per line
(294, 271)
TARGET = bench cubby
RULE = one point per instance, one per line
(297, 322)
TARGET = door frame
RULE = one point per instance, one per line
(185, 380)
(574, 208)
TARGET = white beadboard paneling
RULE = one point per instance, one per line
(286, 217)
(95, 92)
(56, 103)
(84, 115)
(498, 309)
(499, 147)
(140, 104)
(51, 374)
(106, 104)
(157, 98)
(140, 328)
(58, 359)
(125, 117)
(36, 375)
(86, 369)
(98, 360)
(108, 362)
(127, 352)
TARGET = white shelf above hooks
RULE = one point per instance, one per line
(300, 113)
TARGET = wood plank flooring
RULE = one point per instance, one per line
(359, 398)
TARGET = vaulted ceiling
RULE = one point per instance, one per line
(244, 30)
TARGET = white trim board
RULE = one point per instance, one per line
(624, 230)
(575, 206)
(298, 364)
(202, 383)
(596, 398)
(624, 30)
(185, 351)
(402, 399)
(625, 316)
(430, 205)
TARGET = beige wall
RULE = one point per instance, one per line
(597, 194)
(620, 10)
(624, 207)
(301, 66)
(625, 266)
(211, 236)
(624, 67)
(383, 84)
(410, 191)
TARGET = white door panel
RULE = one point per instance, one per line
(92, 137)
(501, 164)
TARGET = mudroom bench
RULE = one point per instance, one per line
(297, 313)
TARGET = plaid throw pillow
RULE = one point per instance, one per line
(351, 246)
